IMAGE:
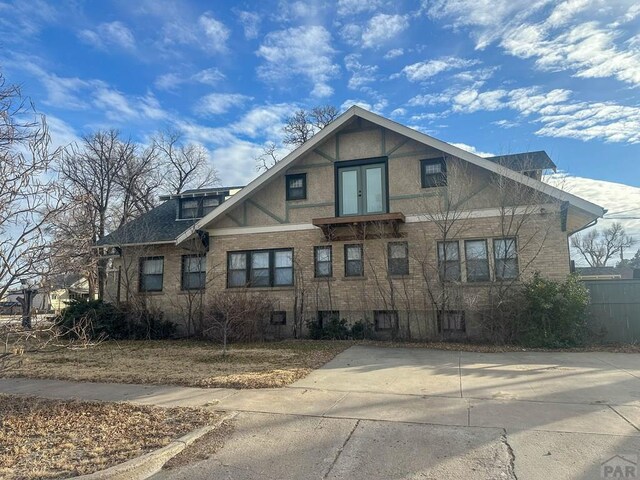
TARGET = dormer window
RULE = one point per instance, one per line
(197, 207)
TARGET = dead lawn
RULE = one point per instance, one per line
(187, 363)
(52, 438)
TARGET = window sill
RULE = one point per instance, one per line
(323, 279)
(398, 276)
(351, 279)
(262, 289)
(151, 294)
(192, 292)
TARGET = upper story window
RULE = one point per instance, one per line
(433, 172)
(362, 187)
(505, 256)
(197, 207)
(296, 186)
(260, 268)
(151, 274)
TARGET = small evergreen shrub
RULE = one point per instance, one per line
(333, 330)
(114, 322)
(361, 330)
(553, 314)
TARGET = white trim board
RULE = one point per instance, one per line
(354, 111)
(420, 218)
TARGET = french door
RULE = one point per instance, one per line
(362, 189)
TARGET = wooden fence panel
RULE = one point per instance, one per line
(615, 309)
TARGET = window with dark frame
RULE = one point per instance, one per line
(398, 258)
(278, 317)
(449, 261)
(296, 186)
(198, 207)
(194, 272)
(323, 264)
(433, 172)
(477, 260)
(151, 274)
(260, 268)
(353, 261)
(385, 319)
(505, 256)
(325, 317)
(451, 321)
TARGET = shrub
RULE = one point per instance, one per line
(553, 313)
(237, 316)
(333, 330)
(114, 322)
(361, 330)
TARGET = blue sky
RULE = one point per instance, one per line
(499, 76)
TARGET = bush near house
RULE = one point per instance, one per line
(552, 314)
(123, 322)
(339, 330)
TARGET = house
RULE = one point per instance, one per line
(65, 289)
(370, 221)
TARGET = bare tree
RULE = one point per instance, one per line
(598, 247)
(29, 195)
(303, 124)
(139, 181)
(298, 128)
(93, 174)
(186, 165)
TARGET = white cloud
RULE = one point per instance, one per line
(558, 114)
(382, 28)
(235, 162)
(354, 7)
(216, 32)
(172, 80)
(587, 37)
(361, 75)
(206, 33)
(506, 123)
(218, 103)
(299, 52)
(376, 107)
(109, 34)
(250, 23)
(113, 103)
(472, 149)
(393, 53)
(418, 72)
(615, 197)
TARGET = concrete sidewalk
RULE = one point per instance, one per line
(160, 395)
(399, 413)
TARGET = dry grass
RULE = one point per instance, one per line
(188, 363)
(53, 438)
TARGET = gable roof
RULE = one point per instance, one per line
(158, 225)
(356, 111)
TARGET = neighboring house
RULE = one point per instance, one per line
(368, 220)
(72, 287)
(607, 273)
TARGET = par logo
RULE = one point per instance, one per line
(620, 466)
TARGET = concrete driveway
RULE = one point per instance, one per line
(399, 413)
